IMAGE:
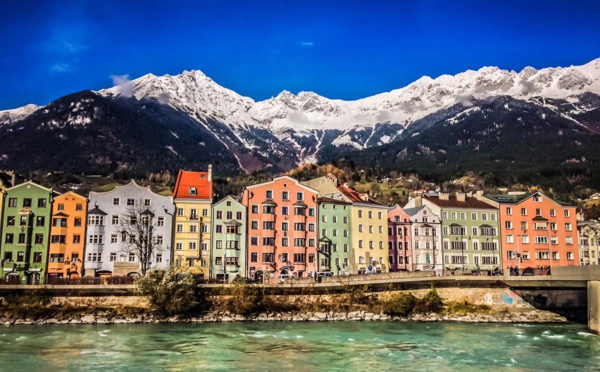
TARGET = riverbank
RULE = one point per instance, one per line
(494, 316)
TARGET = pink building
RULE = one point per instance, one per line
(282, 234)
(399, 240)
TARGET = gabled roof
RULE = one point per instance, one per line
(29, 183)
(69, 193)
(60, 214)
(517, 199)
(300, 184)
(333, 201)
(97, 211)
(414, 210)
(187, 180)
(356, 197)
(230, 198)
(469, 203)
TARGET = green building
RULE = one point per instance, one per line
(335, 240)
(228, 245)
(470, 231)
(25, 233)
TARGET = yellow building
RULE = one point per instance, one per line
(369, 233)
(193, 197)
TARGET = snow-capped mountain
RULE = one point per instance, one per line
(14, 115)
(286, 130)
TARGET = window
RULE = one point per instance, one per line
(178, 246)
(285, 242)
(509, 211)
(311, 227)
(570, 256)
(179, 228)
(57, 257)
(58, 239)
(193, 228)
(180, 212)
(542, 255)
(229, 215)
(345, 219)
(268, 257)
(285, 211)
(370, 229)
(555, 256)
(253, 257)
(370, 213)
(218, 261)
(268, 241)
(458, 245)
(537, 198)
(160, 221)
(39, 238)
(474, 216)
(130, 202)
(285, 195)
(268, 225)
(525, 239)
(23, 221)
(445, 215)
(43, 202)
(96, 220)
(238, 215)
(541, 240)
(475, 231)
(508, 225)
(254, 225)
(523, 225)
(453, 215)
(299, 211)
(160, 239)
(488, 231)
(116, 201)
(254, 240)
(525, 255)
(569, 240)
(493, 216)
(77, 222)
(488, 246)
(567, 214)
(27, 203)
(12, 202)
(193, 191)
(554, 240)
(299, 226)
(360, 214)
(463, 216)
(96, 239)
(523, 211)
(131, 257)
(37, 257)
(568, 227)
(59, 222)
(538, 211)
(10, 221)
(159, 258)
(269, 194)
(299, 242)
(9, 238)
(61, 207)
(484, 216)
(268, 209)
(113, 238)
(192, 246)
(311, 212)
(40, 220)
(510, 239)
(300, 196)
(254, 208)
(231, 229)
(552, 213)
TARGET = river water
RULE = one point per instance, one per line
(275, 346)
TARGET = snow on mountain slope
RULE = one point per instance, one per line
(11, 116)
(295, 128)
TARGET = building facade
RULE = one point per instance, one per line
(369, 233)
(229, 239)
(67, 236)
(282, 229)
(335, 236)
(112, 247)
(399, 240)
(426, 240)
(26, 230)
(470, 231)
(589, 242)
(538, 232)
(193, 196)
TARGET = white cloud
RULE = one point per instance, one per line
(60, 67)
(306, 44)
(123, 84)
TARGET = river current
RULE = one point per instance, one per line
(275, 346)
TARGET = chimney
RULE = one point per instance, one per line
(444, 196)
(209, 172)
(479, 195)
(460, 196)
(418, 201)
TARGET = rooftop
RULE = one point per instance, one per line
(193, 185)
(453, 202)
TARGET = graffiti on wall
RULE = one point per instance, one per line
(508, 298)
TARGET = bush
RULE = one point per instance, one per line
(463, 307)
(430, 303)
(172, 292)
(248, 299)
(399, 304)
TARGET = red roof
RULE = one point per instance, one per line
(355, 196)
(452, 202)
(188, 182)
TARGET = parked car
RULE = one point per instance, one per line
(325, 274)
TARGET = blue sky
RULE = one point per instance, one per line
(339, 49)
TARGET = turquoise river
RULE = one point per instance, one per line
(343, 346)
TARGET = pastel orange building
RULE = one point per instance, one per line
(67, 236)
(538, 233)
(282, 229)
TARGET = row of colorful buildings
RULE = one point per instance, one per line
(278, 229)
